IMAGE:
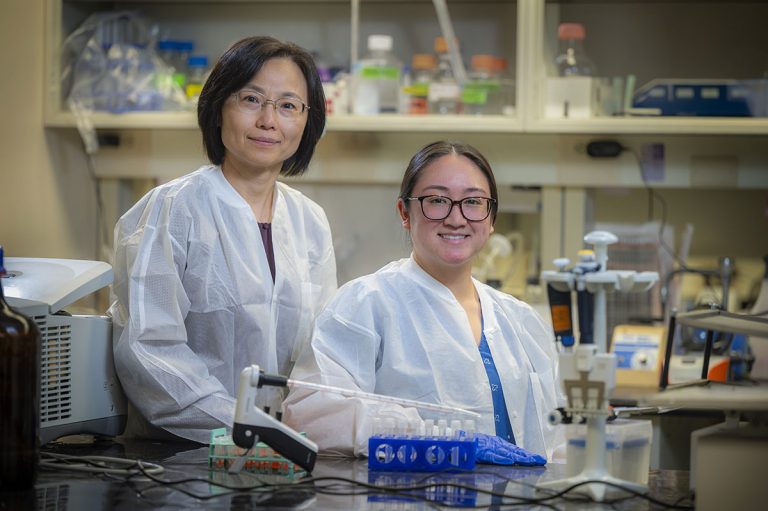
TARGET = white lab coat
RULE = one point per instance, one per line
(194, 302)
(399, 332)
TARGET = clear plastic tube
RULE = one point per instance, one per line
(377, 397)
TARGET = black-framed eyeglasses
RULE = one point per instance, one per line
(438, 207)
(252, 102)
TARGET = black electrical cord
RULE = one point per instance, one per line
(421, 490)
(339, 488)
(654, 195)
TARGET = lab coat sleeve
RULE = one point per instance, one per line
(542, 333)
(323, 273)
(343, 353)
(542, 338)
(164, 379)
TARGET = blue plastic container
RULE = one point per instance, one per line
(421, 454)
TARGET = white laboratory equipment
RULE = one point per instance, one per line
(588, 371)
(727, 461)
(80, 392)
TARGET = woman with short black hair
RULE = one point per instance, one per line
(225, 267)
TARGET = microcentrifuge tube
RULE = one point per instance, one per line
(388, 426)
(429, 427)
(469, 428)
(455, 427)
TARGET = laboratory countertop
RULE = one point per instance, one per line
(76, 491)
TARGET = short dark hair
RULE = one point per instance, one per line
(233, 71)
(429, 153)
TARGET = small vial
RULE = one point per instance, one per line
(388, 426)
(455, 427)
(429, 427)
(197, 73)
(377, 427)
(469, 428)
(442, 425)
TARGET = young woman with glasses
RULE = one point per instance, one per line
(422, 328)
(225, 267)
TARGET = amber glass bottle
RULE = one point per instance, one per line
(19, 396)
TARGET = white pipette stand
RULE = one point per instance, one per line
(588, 373)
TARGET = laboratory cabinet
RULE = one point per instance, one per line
(690, 41)
(323, 27)
(691, 44)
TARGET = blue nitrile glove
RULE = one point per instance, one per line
(496, 450)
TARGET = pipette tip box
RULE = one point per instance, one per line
(262, 459)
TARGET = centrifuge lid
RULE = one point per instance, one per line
(56, 282)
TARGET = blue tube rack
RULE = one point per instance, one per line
(395, 453)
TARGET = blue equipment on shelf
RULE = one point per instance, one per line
(704, 98)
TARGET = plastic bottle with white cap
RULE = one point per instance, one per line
(377, 79)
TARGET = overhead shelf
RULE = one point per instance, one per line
(384, 123)
(654, 125)
(450, 123)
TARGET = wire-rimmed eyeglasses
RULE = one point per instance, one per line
(252, 102)
(438, 207)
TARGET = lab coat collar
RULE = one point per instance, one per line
(419, 275)
(228, 192)
(487, 303)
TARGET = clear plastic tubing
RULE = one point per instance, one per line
(377, 397)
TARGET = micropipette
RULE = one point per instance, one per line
(378, 397)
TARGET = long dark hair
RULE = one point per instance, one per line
(233, 70)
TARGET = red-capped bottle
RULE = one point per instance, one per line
(19, 396)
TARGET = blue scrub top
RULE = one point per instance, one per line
(501, 417)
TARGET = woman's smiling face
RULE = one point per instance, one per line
(265, 139)
(451, 243)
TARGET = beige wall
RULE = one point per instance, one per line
(47, 204)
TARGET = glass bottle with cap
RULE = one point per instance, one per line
(507, 81)
(444, 93)
(481, 94)
(19, 395)
(197, 71)
(423, 67)
(572, 59)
